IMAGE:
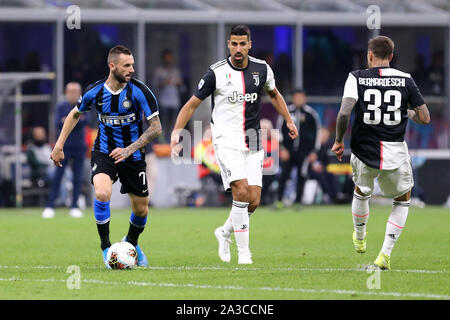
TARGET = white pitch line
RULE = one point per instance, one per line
(212, 268)
(239, 288)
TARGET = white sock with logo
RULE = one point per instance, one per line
(360, 213)
(240, 221)
(395, 225)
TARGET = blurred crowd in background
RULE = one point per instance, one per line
(177, 58)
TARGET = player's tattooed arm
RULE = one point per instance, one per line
(343, 117)
(148, 135)
(420, 114)
(154, 130)
(342, 121)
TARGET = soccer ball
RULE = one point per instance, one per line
(122, 255)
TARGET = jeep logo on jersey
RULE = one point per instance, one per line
(248, 97)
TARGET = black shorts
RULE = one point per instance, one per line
(132, 174)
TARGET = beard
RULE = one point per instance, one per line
(240, 60)
(120, 78)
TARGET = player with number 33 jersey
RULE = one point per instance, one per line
(384, 99)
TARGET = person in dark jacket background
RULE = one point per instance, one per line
(74, 150)
(318, 168)
(296, 153)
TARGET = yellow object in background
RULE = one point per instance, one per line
(340, 168)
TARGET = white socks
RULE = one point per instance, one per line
(395, 224)
(360, 212)
(239, 220)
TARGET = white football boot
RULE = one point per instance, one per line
(224, 245)
(48, 213)
(76, 213)
(245, 257)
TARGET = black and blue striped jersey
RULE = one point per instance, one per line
(119, 114)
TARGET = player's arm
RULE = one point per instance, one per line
(342, 122)
(183, 118)
(205, 88)
(279, 104)
(419, 114)
(350, 97)
(154, 130)
(70, 122)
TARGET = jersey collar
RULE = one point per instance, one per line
(114, 92)
(237, 69)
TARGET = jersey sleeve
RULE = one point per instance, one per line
(147, 101)
(206, 86)
(351, 87)
(415, 98)
(270, 80)
(85, 102)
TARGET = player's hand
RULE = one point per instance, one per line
(57, 156)
(293, 132)
(338, 149)
(175, 146)
(119, 154)
(312, 157)
(284, 155)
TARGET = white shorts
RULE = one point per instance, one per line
(393, 183)
(237, 165)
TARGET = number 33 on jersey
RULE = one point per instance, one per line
(383, 96)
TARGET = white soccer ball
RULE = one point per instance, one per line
(122, 255)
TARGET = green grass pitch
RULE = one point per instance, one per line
(304, 254)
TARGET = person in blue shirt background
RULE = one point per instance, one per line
(75, 151)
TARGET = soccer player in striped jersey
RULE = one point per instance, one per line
(384, 98)
(235, 85)
(118, 152)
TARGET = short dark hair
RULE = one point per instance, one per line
(118, 50)
(299, 90)
(166, 52)
(240, 30)
(381, 46)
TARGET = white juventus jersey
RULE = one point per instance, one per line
(236, 95)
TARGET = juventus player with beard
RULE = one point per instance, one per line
(235, 85)
(384, 98)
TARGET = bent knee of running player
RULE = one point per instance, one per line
(254, 198)
(102, 186)
(240, 190)
(404, 197)
(359, 192)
